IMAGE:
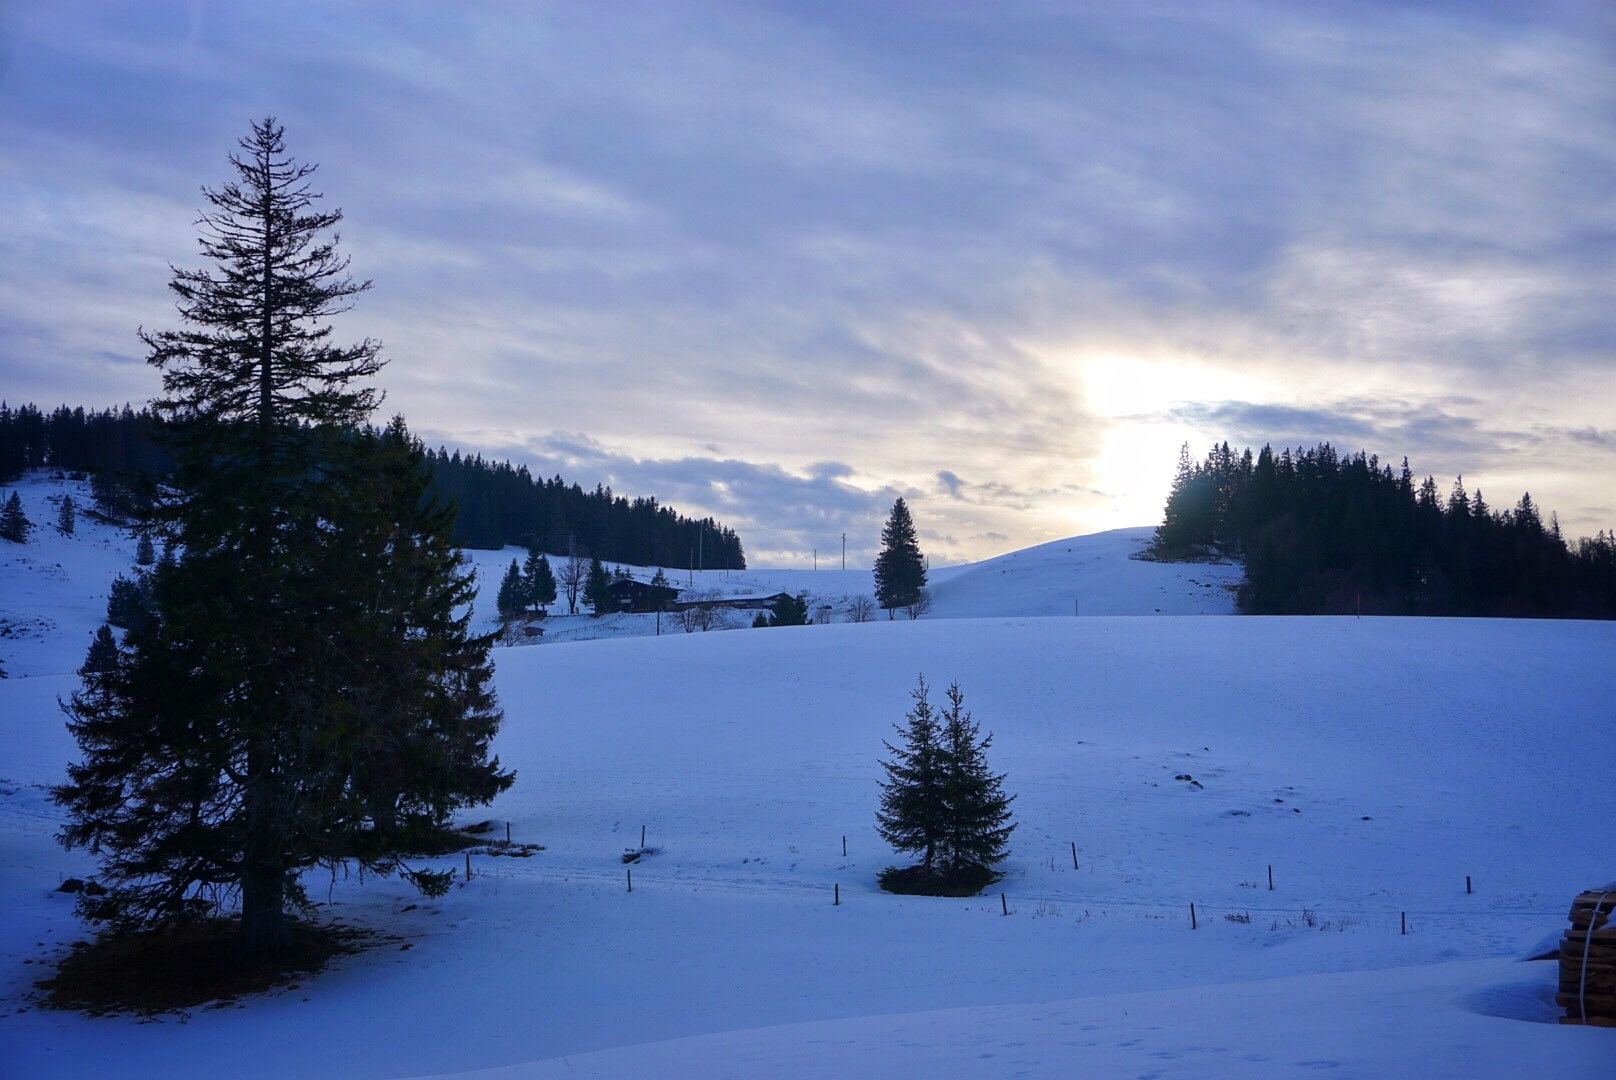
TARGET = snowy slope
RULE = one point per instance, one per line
(55, 586)
(1086, 575)
(1083, 575)
(1374, 764)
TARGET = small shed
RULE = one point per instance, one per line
(1588, 961)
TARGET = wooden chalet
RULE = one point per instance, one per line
(641, 596)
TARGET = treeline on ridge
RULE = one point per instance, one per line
(497, 503)
(1320, 533)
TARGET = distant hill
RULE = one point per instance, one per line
(55, 587)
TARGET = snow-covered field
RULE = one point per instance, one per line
(1373, 764)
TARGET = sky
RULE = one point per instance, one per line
(782, 263)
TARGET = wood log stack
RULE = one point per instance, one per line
(1588, 962)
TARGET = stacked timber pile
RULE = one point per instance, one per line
(1588, 961)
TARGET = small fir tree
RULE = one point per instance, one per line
(14, 523)
(145, 553)
(512, 599)
(598, 588)
(789, 611)
(540, 580)
(66, 518)
(900, 569)
(103, 655)
(129, 602)
(976, 819)
(911, 813)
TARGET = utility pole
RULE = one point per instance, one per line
(816, 558)
(844, 551)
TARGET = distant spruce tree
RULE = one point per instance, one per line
(305, 693)
(598, 588)
(900, 569)
(103, 655)
(145, 552)
(539, 580)
(941, 801)
(512, 599)
(790, 611)
(66, 518)
(14, 523)
(129, 602)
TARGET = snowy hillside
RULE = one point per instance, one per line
(1373, 764)
(1084, 575)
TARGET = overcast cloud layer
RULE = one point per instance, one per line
(781, 263)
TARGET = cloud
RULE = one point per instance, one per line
(770, 238)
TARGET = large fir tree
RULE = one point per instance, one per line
(303, 692)
(900, 569)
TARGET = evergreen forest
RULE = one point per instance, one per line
(497, 503)
(1323, 533)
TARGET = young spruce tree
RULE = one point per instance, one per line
(512, 598)
(303, 693)
(598, 588)
(976, 812)
(941, 801)
(539, 580)
(911, 815)
(14, 523)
